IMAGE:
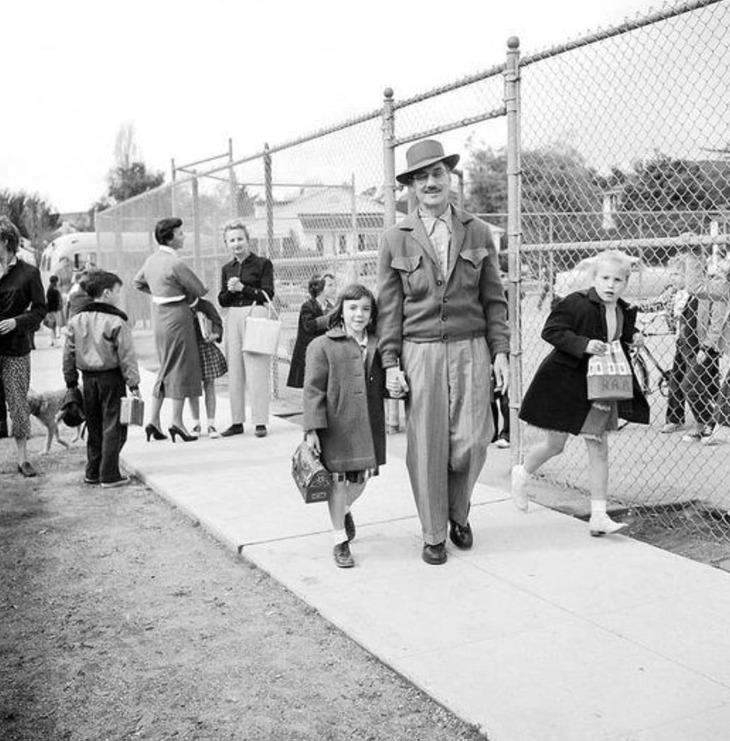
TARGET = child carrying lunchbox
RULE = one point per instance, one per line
(344, 420)
(581, 326)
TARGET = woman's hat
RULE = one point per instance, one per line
(423, 154)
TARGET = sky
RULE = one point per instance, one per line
(189, 75)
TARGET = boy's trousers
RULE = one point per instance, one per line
(105, 435)
(449, 426)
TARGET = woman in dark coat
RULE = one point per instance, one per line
(312, 323)
(344, 420)
(22, 308)
(581, 325)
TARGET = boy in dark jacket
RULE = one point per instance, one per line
(99, 344)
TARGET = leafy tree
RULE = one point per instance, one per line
(33, 216)
(561, 195)
(129, 177)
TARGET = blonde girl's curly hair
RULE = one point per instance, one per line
(586, 269)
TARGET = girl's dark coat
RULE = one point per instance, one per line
(343, 401)
(557, 398)
(312, 323)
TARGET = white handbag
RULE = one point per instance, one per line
(261, 335)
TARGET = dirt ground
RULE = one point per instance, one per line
(122, 619)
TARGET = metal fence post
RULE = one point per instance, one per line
(392, 406)
(196, 225)
(514, 239)
(269, 190)
(173, 177)
(388, 159)
(232, 181)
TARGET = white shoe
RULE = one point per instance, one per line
(671, 427)
(603, 525)
(213, 433)
(520, 477)
(691, 437)
(502, 442)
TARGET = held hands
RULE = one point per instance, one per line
(701, 356)
(395, 382)
(501, 372)
(7, 325)
(234, 284)
(136, 393)
(312, 439)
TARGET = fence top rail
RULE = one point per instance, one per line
(625, 27)
(639, 243)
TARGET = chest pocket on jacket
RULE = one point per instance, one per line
(412, 274)
(469, 266)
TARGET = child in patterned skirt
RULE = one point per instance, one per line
(209, 330)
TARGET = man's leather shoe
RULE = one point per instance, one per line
(434, 554)
(234, 429)
(461, 535)
(260, 431)
(27, 469)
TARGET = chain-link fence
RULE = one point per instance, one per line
(619, 139)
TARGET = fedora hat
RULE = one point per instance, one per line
(423, 154)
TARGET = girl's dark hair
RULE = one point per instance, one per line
(315, 285)
(9, 234)
(354, 292)
(165, 228)
(53, 280)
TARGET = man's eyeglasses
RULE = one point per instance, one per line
(421, 176)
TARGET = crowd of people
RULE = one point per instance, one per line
(434, 334)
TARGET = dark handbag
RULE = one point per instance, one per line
(313, 480)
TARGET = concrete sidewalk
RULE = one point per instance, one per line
(539, 633)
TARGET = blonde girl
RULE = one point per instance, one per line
(582, 324)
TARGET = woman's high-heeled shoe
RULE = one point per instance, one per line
(151, 431)
(174, 431)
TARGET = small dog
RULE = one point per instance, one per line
(46, 408)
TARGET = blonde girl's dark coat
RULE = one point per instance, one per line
(343, 401)
(557, 398)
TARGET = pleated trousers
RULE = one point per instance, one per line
(448, 428)
(246, 371)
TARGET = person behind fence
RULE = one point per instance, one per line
(99, 344)
(313, 320)
(583, 324)
(77, 297)
(174, 288)
(54, 303)
(442, 327)
(209, 331)
(247, 285)
(716, 290)
(344, 418)
(22, 308)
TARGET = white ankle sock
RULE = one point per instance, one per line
(340, 536)
(598, 507)
(211, 423)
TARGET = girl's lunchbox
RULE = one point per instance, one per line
(132, 411)
(609, 376)
(313, 480)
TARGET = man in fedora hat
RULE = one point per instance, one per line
(442, 322)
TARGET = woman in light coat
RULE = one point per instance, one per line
(174, 288)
